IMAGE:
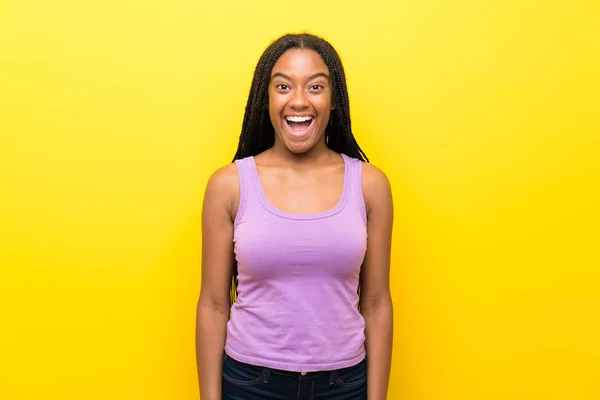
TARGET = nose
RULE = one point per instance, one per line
(299, 100)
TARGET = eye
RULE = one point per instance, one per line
(282, 86)
(316, 87)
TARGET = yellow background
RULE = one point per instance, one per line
(484, 115)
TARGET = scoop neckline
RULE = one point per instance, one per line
(284, 214)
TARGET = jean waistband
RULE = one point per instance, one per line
(301, 375)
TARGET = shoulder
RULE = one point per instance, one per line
(225, 178)
(373, 178)
(223, 187)
(376, 187)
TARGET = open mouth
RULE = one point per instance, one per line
(299, 126)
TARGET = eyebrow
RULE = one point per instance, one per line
(310, 78)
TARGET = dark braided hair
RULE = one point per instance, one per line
(258, 133)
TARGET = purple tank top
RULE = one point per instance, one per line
(298, 275)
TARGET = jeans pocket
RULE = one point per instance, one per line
(352, 376)
(243, 374)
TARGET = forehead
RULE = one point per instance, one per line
(300, 63)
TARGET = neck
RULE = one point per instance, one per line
(319, 153)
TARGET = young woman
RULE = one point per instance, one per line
(302, 223)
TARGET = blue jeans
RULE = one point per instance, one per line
(249, 382)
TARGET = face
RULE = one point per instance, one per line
(300, 100)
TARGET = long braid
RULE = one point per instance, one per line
(257, 133)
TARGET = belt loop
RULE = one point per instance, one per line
(267, 375)
(332, 376)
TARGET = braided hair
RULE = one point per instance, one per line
(258, 133)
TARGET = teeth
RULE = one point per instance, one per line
(298, 119)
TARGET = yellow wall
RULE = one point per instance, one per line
(484, 115)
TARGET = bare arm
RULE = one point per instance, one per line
(376, 302)
(221, 194)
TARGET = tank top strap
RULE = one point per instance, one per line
(247, 191)
(356, 184)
